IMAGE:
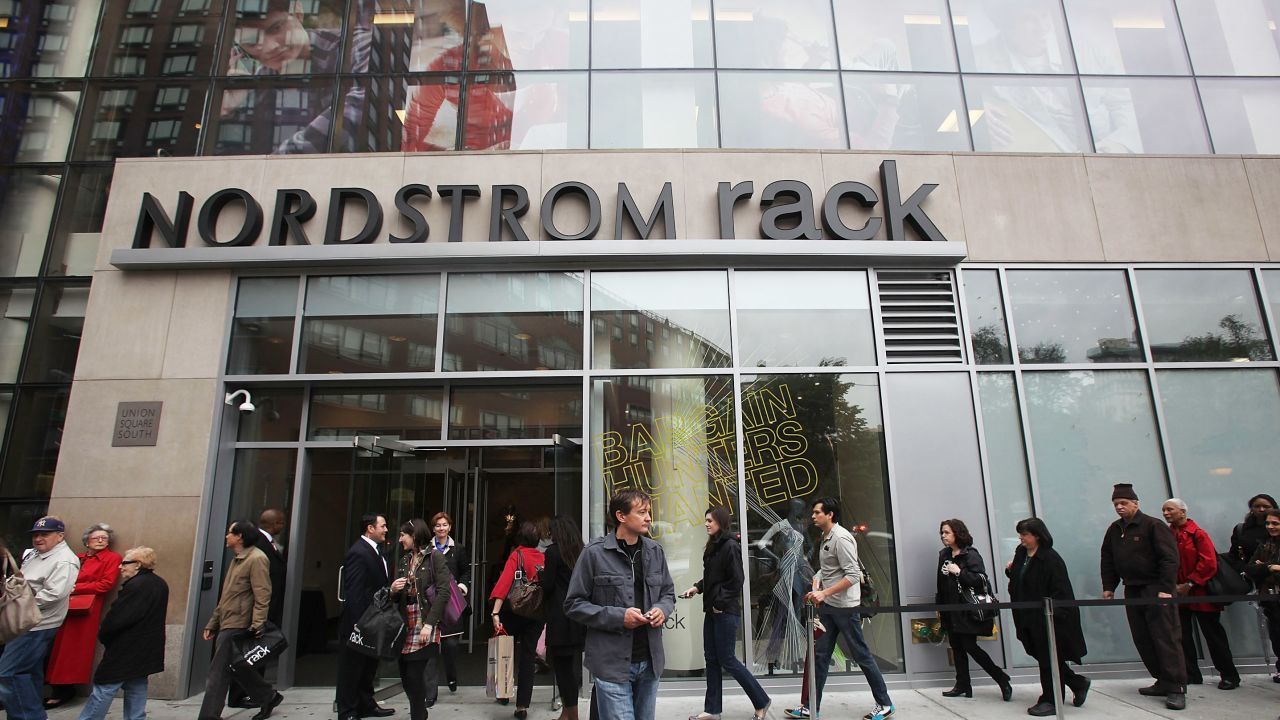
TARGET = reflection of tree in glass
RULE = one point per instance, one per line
(1240, 339)
(990, 346)
(1043, 352)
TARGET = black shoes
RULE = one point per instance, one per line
(957, 692)
(453, 686)
(1042, 709)
(265, 712)
(1225, 684)
(1176, 701)
(521, 714)
(1154, 690)
(1078, 695)
(1006, 690)
(377, 711)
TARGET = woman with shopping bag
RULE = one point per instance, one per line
(517, 609)
(419, 569)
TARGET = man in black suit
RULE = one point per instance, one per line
(271, 525)
(364, 572)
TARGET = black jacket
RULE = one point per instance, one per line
(459, 562)
(721, 583)
(433, 571)
(562, 633)
(132, 631)
(364, 572)
(1140, 551)
(1245, 540)
(972, 572)
(1045, 576)
(275, 610)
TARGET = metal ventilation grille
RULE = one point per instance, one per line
(919, 316)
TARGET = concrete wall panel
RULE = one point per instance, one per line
(197, 325)
(1264, 184)
(644, 174)
(126, 325)
(942, 205)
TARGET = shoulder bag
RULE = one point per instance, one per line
(525, 596)
(455, 604)
(380, 631)
(1228, 580)
(981, 599)
(868, 594)
(18, 610)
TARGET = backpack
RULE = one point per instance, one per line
(18, 610)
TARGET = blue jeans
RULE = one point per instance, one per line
(635, 699)
(847, 622)
(22, 674)
(135, 700)
(719, 642)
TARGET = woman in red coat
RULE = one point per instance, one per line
(71, 659)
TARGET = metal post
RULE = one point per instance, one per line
(1053, 657)
(1263, 628)
(811, 627)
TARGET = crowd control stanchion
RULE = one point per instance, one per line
(1263, 627)
(811, 630)
(1053, 658)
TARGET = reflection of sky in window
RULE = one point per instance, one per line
(1178, 304)
(1075, 310)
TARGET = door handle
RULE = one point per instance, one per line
(206, 577)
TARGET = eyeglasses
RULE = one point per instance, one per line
(128, 562)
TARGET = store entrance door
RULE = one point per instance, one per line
(487, 491)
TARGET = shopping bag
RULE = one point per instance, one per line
(380, 631)
(250, 651)
(18, 610)
(500, 676)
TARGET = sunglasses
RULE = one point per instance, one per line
(128, 562)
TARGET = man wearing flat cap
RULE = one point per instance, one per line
(1140, 551)
(50, 570)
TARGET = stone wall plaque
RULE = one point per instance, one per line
(137, 424)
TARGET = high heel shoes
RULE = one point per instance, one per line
(957, 692)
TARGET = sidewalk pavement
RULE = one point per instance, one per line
(1256, 699)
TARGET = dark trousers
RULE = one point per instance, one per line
(221, 673)
(1271, 611)
(449, 657)
(1068, 676)
(526, 633)
(846, 622)
(356, 674)
(1157, 635)
(418, 675)
(964, 646)
(719, 641)
(1215, 640)
(236, 694)
(567, 664)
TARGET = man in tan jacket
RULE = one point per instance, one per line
(246, 595)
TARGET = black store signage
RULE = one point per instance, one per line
(788, 211)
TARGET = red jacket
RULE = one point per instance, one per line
(1197, 562)
(71, 657)
(533, 559)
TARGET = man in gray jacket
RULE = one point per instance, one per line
(615, 577)
(51, 571)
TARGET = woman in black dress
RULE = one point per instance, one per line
(960, 565)
(565, 638)
(1036, 572)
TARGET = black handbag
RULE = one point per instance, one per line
(525, 597)
(251, 651)
(380, 631)
(981, 600)
(1228, 580)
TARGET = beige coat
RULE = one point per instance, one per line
(246, 593)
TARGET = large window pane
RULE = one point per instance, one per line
(998, 36)
(525, 412)
(417, 113)
(339, 413)
(986, 317)
(1232, 37)
(262, 329)
(277, 419)
(47, 39)
(1243, 114)
(271, 117)
(1271, 289)
(513, 321)
(56, 338)
(37, 120)
(527, 111)
(651, 34)
(905, 112)
(910, 35)
(808, 436)
(275, 38)
(771, 35)
(1145, 115)
(1026, 114)
(1073, 316)
(16, 304)
(79, 227)
(398, 36)
(660, 319)
(32, 453)
(529, 35)
(1089, 431)
(1126, 37)
(370, 323)
(160, 38)
(141, 119)
(262, 480)
(27, 198)
(803, 319)
(673, 438)
(653, 110)
(781, 110)
(1202, 316)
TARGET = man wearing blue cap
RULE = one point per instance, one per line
(51, 572)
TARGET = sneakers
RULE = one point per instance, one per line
(882, 712)
(800, 713)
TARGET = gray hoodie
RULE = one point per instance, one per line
(52, 577)
(601, 590)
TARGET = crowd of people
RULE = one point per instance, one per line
(604, 604)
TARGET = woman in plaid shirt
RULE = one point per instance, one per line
(418, 570)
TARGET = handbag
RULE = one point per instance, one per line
(525, 596)
(868, 594)
(18, 610)
(251, 651)
(79, 603)
(981, 600)
(380, 631)
(1228, 580)
(455, 605)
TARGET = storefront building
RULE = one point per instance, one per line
(723, 253)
